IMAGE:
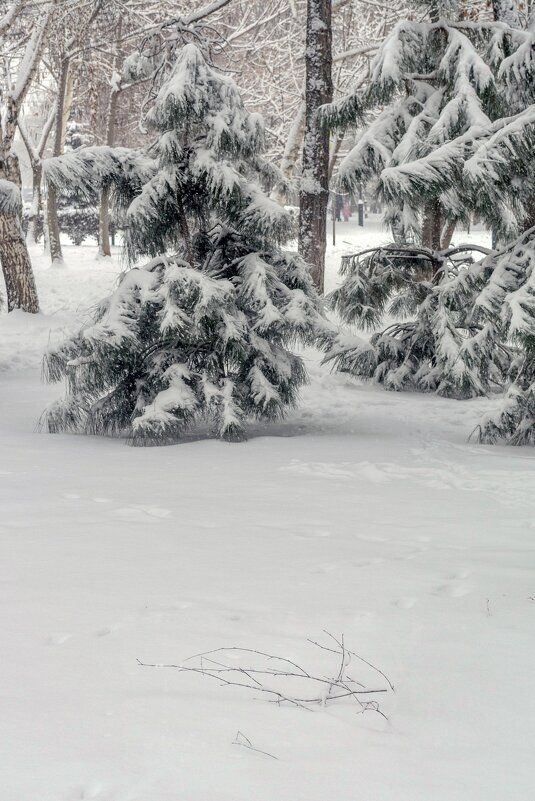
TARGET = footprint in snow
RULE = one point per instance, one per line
(454, 590)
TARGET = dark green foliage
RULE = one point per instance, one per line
(203, 332)
(435, 345)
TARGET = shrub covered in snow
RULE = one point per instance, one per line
(467, 327)
(436, 343)
(507, 304)
(203, 330)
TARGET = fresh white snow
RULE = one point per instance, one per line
(365, 513)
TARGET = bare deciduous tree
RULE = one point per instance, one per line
(22, 55)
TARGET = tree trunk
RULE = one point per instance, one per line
(185, 232)
(447, 233)
(432, 226)
(314, 194)
(335, 151)
(104, 213)
(104, 248)
(37, 203)
(54, 243)
(64, 88)
(16, 265)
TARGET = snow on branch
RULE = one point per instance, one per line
(92, 167)
(10, 197)
(10, 16)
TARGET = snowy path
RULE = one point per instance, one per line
(366, 513)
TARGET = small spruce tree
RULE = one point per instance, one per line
(204, 330)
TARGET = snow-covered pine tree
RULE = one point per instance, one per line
(204, 330)
(507, 303)
(445, 147)
(435, 81)
(77, 210)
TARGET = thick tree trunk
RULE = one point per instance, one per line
(432, 226)
(16, 265)
(314, 194)
(185, 232)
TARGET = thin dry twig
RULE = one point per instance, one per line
(245, 742)
(285, 672)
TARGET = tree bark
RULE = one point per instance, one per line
(16, 265)
(37, 203)
(447, 233)
(104, 245)
(335, 151)
(432, 226)
(314, 194)
(56, 253)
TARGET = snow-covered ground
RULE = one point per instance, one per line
(366, 513)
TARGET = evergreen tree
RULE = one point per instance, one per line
(435, 344)
(445, 88)
(507, 303)
(455, 139)
(77, 209)
(203, 330)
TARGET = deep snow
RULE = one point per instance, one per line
(366, 512)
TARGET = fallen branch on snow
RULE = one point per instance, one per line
(284, 680)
